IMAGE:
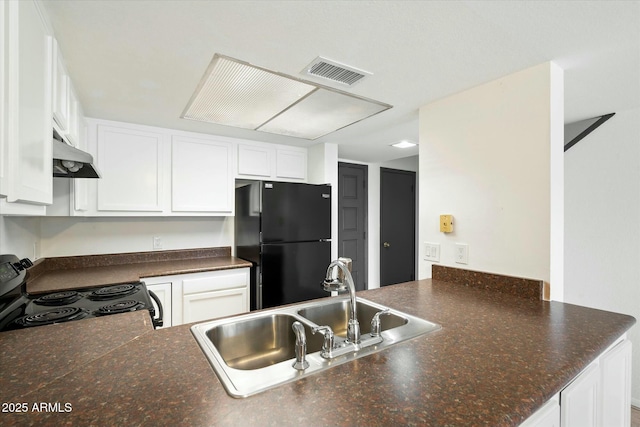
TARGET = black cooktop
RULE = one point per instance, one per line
(18, 309)
(66, 306)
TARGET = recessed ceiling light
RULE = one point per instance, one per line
(235, 93)
(404, 144)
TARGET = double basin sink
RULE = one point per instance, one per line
(254, 352)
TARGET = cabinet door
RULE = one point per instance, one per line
(255, 161)
(28, 160)
(579, 400)
(200, 175)
(163, 291)
(131, 163)
(547, 416)
(291, 164)
(73, 135)
(210, 305)
(615, 370)
(60, 91)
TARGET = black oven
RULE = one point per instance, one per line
(19, 310)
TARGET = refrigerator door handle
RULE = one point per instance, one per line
(259, 291)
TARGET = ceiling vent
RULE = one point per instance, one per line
(336, 72)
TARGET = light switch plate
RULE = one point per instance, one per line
(462, 253)
(432, 251)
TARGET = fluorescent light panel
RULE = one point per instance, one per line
(235, 93)
(321, 113)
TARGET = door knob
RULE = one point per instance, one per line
(386, 244)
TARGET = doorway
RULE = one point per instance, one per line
(397, 226)
(352, 219)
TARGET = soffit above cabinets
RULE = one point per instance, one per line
(235, 93)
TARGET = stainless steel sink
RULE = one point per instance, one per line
(254, 352)
(259, 342)
(336, 314)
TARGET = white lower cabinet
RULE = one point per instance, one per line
(615, 376)
(579, 400)
(202, 296)
(547, 416)
(600, 396)
(207, 305)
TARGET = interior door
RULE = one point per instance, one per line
(397, 226)
(352, 219)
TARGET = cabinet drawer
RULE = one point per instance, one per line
(210, 305)
(223, 280)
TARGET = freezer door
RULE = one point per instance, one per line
(294, 212)
(293, 272)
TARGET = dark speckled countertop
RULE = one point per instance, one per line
(497, 358)
(54, 274)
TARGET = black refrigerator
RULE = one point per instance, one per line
(284, 229)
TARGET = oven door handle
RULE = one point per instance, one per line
(157, 322)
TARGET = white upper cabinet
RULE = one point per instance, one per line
(26, 166)
(66, 109)
(60, 93)
(132, 164)
(149, 171)
(74, 133)
(201, 178)
(255, 161)
(291, 164)
(273, 162)
(152, 171)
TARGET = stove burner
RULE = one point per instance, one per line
(52, 316)
(59, 298)
(120, 307)
(112, 292)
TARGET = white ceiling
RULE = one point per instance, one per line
(140, 61)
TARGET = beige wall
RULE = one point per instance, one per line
(491, 156)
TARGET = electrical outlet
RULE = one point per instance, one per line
(432, 251)
(462, 253)
(157, 242)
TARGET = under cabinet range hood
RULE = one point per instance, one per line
(69, 162)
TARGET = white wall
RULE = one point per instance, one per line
(373, 208)
(487, 157)
(20, 236)
(602, 223)
(88, 236)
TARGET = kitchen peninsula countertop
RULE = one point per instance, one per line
(497, 359)
(64, 273)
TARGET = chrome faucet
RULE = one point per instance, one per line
(346, 283)
(301, 347)
(375, 322)
(328, 343)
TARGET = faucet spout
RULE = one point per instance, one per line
(346, 283)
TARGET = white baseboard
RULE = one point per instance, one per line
(635, 402)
